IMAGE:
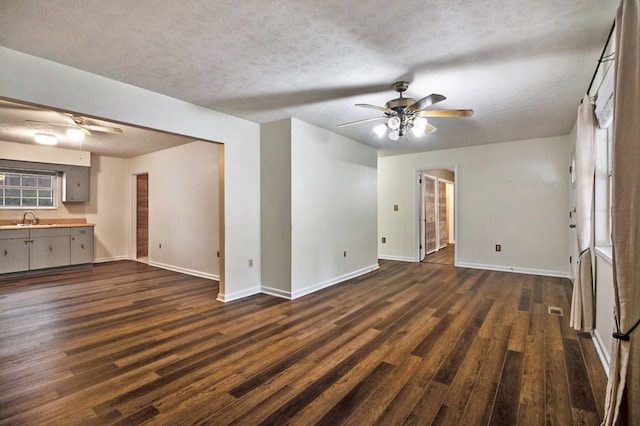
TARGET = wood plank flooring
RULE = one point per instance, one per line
(411, 343)
(444, 256)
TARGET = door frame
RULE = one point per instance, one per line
(419, 209)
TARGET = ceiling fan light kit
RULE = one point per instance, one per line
(405, 114)
(77, 129)
(75, 134)
(46, 139)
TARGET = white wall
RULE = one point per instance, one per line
(35, 80)
(333, 208)
(513, 194)
(183, 207)
(109, 208)
(275, 179)
(44, 154)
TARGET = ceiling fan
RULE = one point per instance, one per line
(77, 126)
(405, 114)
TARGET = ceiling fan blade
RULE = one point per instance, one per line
(73, 121)
(425, 102)
(361, 121)
(430, 128)
(445, 113)
(101, 128)
(50, 123)
(379, 108)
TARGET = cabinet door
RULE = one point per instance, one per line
(49, 252)
(75, 184)
(14, 255)
(81, 245)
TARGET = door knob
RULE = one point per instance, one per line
(573, 225)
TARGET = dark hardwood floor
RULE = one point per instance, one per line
(411, 343)
(444, 256)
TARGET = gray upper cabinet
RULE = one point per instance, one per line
(75, 184)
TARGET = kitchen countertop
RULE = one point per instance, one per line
(46, 224)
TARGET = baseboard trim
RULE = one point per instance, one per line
(185, 271)
(516, 269)
(603, 354)
(110, 259)
(397, 258)
(333, 281)
(222, 297)
(318, 286)
(276, 292)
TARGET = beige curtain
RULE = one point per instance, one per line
(582, 300)
(622, 404)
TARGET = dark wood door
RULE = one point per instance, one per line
(142, 216)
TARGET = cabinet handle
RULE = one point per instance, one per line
(5, 252)
(50, 249)
(82, 245)
(73, 238)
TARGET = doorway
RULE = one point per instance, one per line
(142, 217)
(437, 243)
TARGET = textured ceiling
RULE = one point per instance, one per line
(20, 122)
(522, 65)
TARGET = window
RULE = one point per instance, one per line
(602, 222)
(28, 189)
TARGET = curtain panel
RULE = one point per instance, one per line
(622, 404)
(582, 314)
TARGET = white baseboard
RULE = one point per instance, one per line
(185, 271)
(222, 297)
(110, 259)
(603, 353)
(333, 281)
(398, 258)
(318, 286)
(275, 292)
(516, 269)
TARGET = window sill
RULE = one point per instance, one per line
(605, 253)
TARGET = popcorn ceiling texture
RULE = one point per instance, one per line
(521, 65)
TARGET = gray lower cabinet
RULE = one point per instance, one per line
(40, 248)
(14, 250)
(81, 245)
(49, 248)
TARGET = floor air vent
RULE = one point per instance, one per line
(555, 310)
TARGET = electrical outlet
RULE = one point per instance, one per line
(384, 240)
(498, 247)
(250, 263)
(395, 207)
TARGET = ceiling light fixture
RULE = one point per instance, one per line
(46, 139)
(394, 122)
(404, 114)
(380, 130)
(75, 134)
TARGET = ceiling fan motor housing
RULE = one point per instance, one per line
(399, 104)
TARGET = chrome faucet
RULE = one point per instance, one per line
(24, 217)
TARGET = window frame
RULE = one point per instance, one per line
(22, 174)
